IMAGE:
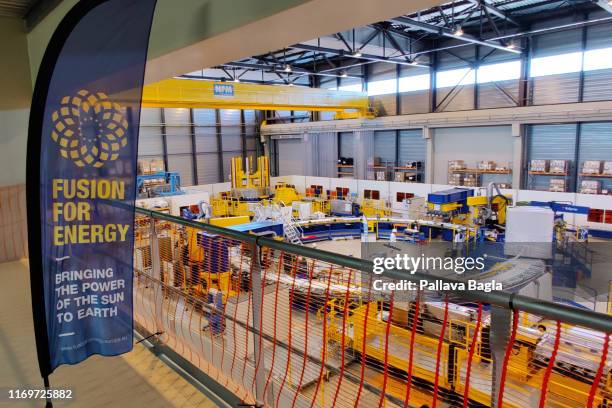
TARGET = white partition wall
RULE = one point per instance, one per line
(472, 144)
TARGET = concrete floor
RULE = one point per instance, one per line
(135, 379)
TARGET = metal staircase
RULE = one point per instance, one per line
(260, 213)
(292, 231)
(276, 212)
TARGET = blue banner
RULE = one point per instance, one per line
(81, 180)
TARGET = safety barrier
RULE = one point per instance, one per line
(285, 325)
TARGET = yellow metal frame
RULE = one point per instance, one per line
(192, 93)
(251, 177)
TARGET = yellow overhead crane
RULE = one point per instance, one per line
(194, 93)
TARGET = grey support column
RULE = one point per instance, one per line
(363, 146)
(517, 154)
(429, 159)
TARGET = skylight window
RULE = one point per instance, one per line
(598, 59)
(556, 64)
(387, 86)
(351, 88)
(414, 83)
(503, 71)
(454, 77)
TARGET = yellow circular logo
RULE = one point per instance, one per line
(89, 128)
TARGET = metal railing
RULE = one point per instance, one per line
(287, 325)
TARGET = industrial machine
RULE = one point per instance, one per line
(250, 183)
(489, 210)
(447, 204)
(158, 184)
(285, 193)
(575, 366)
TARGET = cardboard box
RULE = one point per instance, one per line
(157, 165)
(456, 165)
(455, 179)
(486, 165)
(590, 187)
(539, 165)
(557, 185)
(144, 167)
(591, 167)
(373, 161)
(557, 166)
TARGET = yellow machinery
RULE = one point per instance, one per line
(459, 206)
(480, 211)
(320, 205)
(229, 221)
(285, 193)
(192, 93)
(374, 208)
(522, 377)
(250, 178)
(250, 183)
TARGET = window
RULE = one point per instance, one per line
(598, 59)
(387, 86)
(556, 64)
(499, 72)
(453, 77)
(351, 88)
(414, 83)
(400, 197)
(371, 194)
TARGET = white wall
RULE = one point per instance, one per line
(13, 137)
(14, 101)
(291, 157)
(472, 144)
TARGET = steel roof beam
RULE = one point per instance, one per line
(445, 32)
(368, 57)
(280, 69)
(495, 11)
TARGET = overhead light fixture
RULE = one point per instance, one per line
(511, 45)
(414, 62)
(290, 84)
(458, 31)
(236, 79)
(287, 68)
(609, 2)
(343, 74)
(358, 53)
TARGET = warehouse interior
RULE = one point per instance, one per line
(471, 127)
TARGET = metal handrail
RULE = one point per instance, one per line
(586, 318)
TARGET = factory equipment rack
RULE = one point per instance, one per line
(406, 171)
(533, 177)
(346, 170)
(383, 167)
(604, 178)
(158, 184)
(477, 175)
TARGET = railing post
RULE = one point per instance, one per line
(256, 287)
(158, 295)
(499, 336)
(154, 243)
